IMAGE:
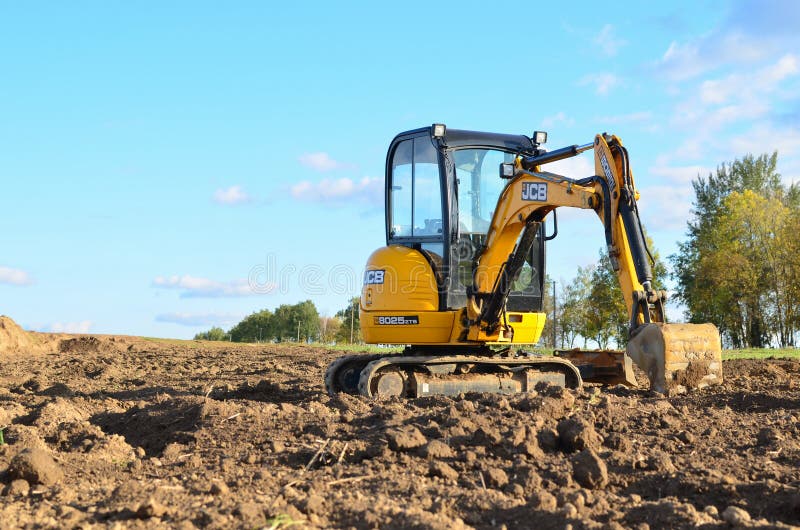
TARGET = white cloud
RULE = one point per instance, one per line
(633, 117)
(195, 287)
(70, 327)
(200, 319)
(677, 175)
(367, 189)
(602, 82)
(749, 85)
(608, 42)
(555, 119)
(320, 161)
(232, 195)
(766, 138)
(577, 167)
(665, 208)
(721, 116)
(14, 276)
(683, 61)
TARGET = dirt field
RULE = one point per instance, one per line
(123, 432)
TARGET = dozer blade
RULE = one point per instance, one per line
(677, 356)
(607, 367)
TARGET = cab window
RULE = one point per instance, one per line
(416, 195)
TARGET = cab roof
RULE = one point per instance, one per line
(459, 138)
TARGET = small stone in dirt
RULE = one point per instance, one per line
(548, 439)
(496, 477)
(437, 449)
(660, 461)
(589, 470)
(735, 516)
(576, 434)
(442, 469)
(277, 446)
(768, 436)
(219, 487)
(405, 438)
(711, 510)
(686, 437)
(19, 486)
(569, 510)
(543, 500)
(151, 508)
(36, 466)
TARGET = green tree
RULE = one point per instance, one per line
(605, 315)
(750, 262)
(721, 271)
(215, 333)
(296, 322)
(572, 307)
(256, 327)
(329, 328)
(350, 322)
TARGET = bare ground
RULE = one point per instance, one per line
(134, 433)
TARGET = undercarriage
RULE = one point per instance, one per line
(425, 371)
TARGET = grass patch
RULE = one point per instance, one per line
(360, 348)
(761, 353)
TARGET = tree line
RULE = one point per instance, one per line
(299, 322)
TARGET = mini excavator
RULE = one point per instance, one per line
(460, 281)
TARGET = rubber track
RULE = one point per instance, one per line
(371, 369)
(330, 372)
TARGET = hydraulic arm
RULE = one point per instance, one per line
(528, 198)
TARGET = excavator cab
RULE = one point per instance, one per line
(441, 195)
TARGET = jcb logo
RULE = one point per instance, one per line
(374, 277)
(534, 191)
(607, 170)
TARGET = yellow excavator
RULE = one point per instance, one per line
(460, 281)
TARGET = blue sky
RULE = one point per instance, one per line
(159, 160)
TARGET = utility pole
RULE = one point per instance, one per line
(554, 314)
(298, 330)
(352, 318)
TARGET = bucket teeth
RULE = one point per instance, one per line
(676, 357)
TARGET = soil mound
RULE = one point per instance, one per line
(13, 339)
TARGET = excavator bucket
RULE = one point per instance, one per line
(676, 357)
